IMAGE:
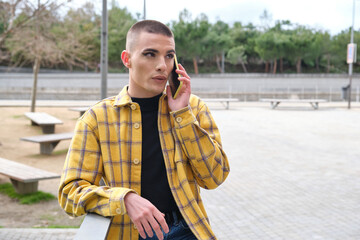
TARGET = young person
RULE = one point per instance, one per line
(152, 151)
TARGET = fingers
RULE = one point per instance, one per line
(184, 76)
(160, 218)
(147, 225)
(156, 227)
(145, 216)
(182, 71)
(151, 221)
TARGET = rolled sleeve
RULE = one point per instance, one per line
(195, 129)
(183, 117)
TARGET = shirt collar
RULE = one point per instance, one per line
(123, 98)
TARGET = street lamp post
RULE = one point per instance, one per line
(351, 63)
(144, 16)
(104, 50)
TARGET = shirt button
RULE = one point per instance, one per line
(136, 161)
(118, 211)
(179, 119)
(133, 107)
(136, 125)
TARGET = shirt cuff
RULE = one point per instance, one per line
(183, 117)
(117, 203)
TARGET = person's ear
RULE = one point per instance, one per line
(125, 57)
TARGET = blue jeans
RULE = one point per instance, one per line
(178, 230)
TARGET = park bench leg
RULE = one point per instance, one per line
(274, 104)
(48, 128)
(315, 105)
(33, 123)
(225, 104)
(24, 188)
(47, 148)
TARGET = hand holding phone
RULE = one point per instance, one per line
(175, 84)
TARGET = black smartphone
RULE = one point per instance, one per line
(175, 84)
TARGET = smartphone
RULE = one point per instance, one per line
(175, 84)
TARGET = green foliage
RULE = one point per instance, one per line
(31, 198)
(236, 55)
(187, 30)
(76, 36)
(120, 21)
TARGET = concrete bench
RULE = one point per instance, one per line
(81, 110)
(44, 120)
(49, 141)
(221, 100)
(93, 227)
(24, 178)
(275, 102)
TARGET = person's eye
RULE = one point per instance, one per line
(170, 56)
(149, 54)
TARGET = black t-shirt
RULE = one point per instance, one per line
(154, 182)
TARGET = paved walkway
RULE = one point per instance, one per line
(295, 174)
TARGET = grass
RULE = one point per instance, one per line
(58, 226)
(60, 152)
(31, 198)
(61, 226)
(17, 116)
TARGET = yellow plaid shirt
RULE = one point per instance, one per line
(107, 144)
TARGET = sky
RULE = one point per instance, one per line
(328, 15)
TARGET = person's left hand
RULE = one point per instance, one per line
(182, 100)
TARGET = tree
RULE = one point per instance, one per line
(266, 48)
(40, 45)
(237, 55)
(320, 49)
(217, 42)
(14, 16)
(189, 36)
(120, 21)
(80, 32)
(245, 36)
(301, 40)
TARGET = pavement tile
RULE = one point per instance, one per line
(294, 175)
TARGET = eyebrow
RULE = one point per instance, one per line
(156, 51)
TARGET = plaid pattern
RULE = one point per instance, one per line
(107, 144)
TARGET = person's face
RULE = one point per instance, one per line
(150, 62)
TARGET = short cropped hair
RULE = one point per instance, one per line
(149, 26)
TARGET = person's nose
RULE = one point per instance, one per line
(161, 65)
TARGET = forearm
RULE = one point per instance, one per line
(79, 190)
(78, 197)
(200, 141)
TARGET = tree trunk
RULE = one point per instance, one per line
(217, 58)
(266, 67)
(243, 66)
(223, 62)
(298, 65)
(281, 65)
(275, 66)
(317, 64)
(195, 66)
(328, 64)
(36, 68)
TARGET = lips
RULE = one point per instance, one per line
(160, 78)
